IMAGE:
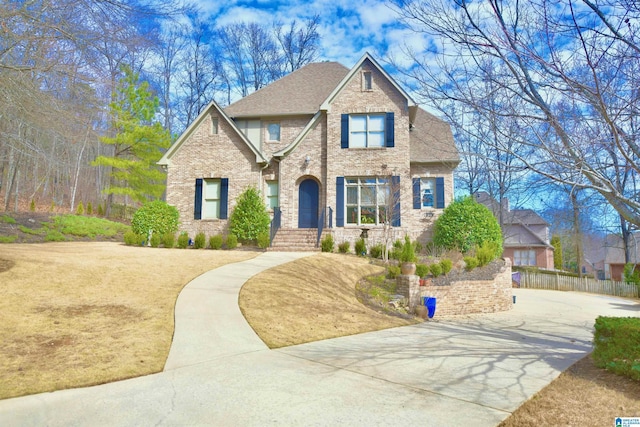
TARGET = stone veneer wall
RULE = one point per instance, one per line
(466, 297)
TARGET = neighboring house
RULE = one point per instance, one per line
(525, 234)
(609, 258)
(330, 147)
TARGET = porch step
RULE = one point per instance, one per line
(295, 240)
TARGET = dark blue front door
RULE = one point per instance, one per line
(308, 204)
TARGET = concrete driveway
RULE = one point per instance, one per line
(472, 370)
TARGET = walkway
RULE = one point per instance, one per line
(471, 370)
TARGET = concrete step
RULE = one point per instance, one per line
(295, 240)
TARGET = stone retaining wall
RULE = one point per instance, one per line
(463, 297)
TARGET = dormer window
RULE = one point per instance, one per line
(367, 81)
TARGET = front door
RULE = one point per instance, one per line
(308, 204)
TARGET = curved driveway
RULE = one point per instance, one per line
(472, 370)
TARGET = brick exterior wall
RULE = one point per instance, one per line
(469, 296)
(225, 155)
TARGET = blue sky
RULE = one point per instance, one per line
(347, 28)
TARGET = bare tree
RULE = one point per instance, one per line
(299, 44)
(563, 68)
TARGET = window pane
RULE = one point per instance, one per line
(376, 123)
(358, 123)
(274, 132)
(212, 189)
(352, 195)
(351, 180)
(427, 187)
(368, 215)
(211, 208)
(376, 139)
(358, 140)
(352, 215)
(367, 195)
(383, 195)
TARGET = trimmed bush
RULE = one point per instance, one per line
(376, 251)
(446, 265)
(133, 239)
(471, 262)
(168, 240)
(393, 271)
(199, 241)
(232, 241)
(250, 217)
(436, 269)
(422, 270)
(215, 242)
(155, 217)
(361, 247)
(155, 241)
(327, 244)
(617, 345)
(264, 240)
(183, 240)
(466, 224)
(343, 247)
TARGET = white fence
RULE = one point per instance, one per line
(557, 282)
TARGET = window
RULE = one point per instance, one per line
(274, 131)
(214, 126)
(367, 130)
(211, 199)
(428, 193)
(272, 194)
(367, 200)
(367, 81)
(251, 129)
(527, 257)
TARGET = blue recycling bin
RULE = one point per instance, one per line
(430, 303)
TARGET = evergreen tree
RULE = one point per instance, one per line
(138, 142)
(250, 218)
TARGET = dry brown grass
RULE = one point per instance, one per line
(584, 395)
(76, 314)
(311, 299)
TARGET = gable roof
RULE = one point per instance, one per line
(166, 158)
(431, 140)
(300, 92)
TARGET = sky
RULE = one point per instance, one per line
(348, 28)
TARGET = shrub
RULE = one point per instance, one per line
(7, 219)
(408, 252)
(486, 253)
(183, 240)
(250, 217)
(436, 269)
(471, 262)
(631, 274)
(393, 271)
(343, 247)
(168, 240)
(466, 224)
(446, 265)
(133, 239)
(361, 247)
(264, 240)
(376, 251)
(155, 241)
(32, 206)
(80, 209)
(215, 242)
(232, 241)
(199, 241)
(616, 342)
(327, 243)
(422, 270)
(89, 209)
(155, 217)
(100, 210)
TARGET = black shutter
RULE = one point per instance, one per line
(197, 204)
(224, 198)
(340, 201)
(440, 193)
(389, 131)
(395, 188)
(416, 193)
(344, 131)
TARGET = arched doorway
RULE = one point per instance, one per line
(308, 200)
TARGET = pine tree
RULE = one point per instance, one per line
(138, 142)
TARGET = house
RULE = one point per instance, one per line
(525, 234)
(609, 259)
(332, 150)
